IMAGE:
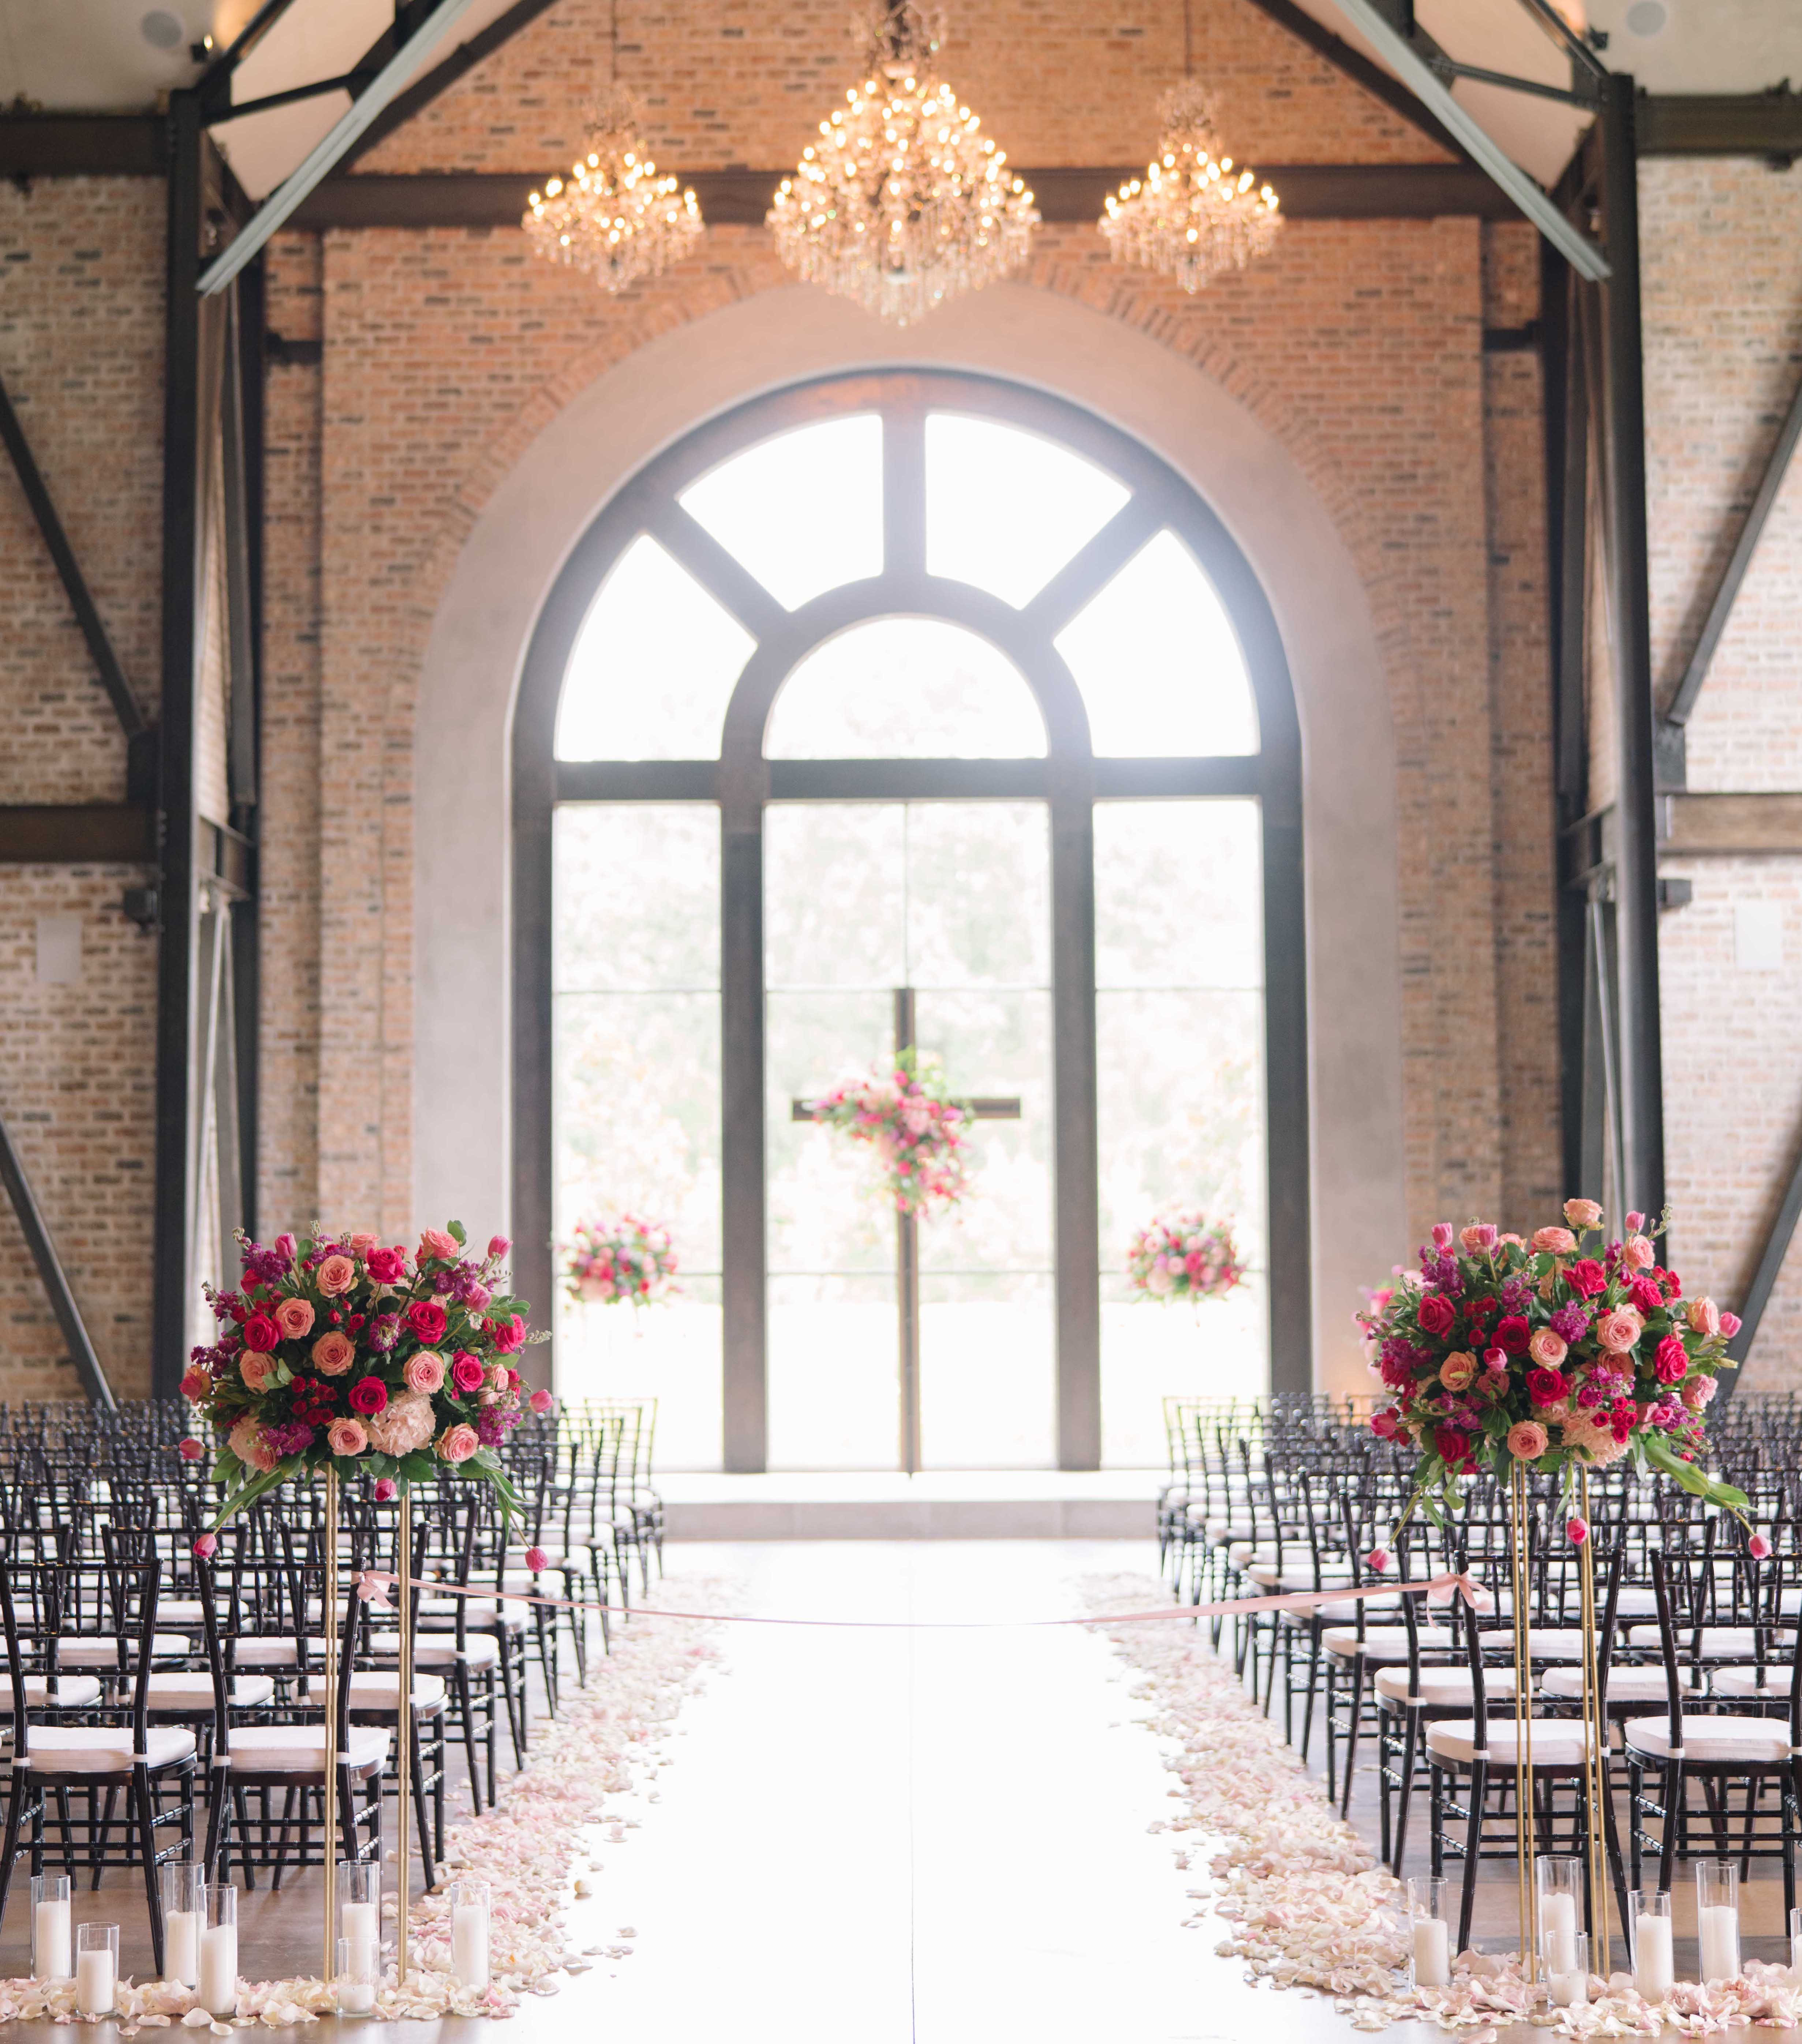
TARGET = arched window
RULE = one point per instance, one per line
(912, 708)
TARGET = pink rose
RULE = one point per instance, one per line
(1637, 1253)
(259, 1370)
(294, 1318)
(542, 1402)
(1547, 1347)
(509, 1334)
(346, 1437)
(195, 1384)
(1457, 1371)
(386, 1266)
(1730, 1323)
(1582, 1213)
(386, 1490)
(1698, 1392)
(498, 1245)
(424, 1372)
(1527, 1440)
(1554, 1241)
(261, 1333)
(190, 1449)
(476, 1298)
(405, 1426)
(458, 1444)
(1703, 1316)
(207, 1547)
(1618, 1330)
(1442, 1234)
(436, 1247)
(1578, 1530)
(361, 1243)
(467, 1372)
(1480, 1239)
(1671, 1364)
(336, 1276)
(333, 1354)
(427, 1320)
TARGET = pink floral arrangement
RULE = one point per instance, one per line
(1184, 1256)
(903, 1111)
(341, 1352)
(623, 1260)
(1565, 1352)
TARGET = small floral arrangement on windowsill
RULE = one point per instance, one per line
(338, 1352)
(620, 1261)
(903, 1112)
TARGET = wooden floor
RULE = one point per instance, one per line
(899, 1837)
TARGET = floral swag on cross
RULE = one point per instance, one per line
(903, 1111)
(338, 1353)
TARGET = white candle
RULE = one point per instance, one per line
(361, 1928)
(181, 1946)
(1432, 1952)
(469, 1944)
(1717, 1929)
(1570, 1989)
(356, 1997)
(55, 1942)
(1654, 1971)
(1558, 1931)
(94, 1984)
(219, 1969)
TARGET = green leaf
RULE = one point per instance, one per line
(418, 1467)
(455, 1229)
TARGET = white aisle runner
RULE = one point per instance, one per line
(873, 1837)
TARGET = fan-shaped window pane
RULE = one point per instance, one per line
(1158, 663)
(653, 666)
(804, 511)
(906, 688)
(1005, 510)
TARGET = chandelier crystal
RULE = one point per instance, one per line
(614, 218)
(1195, 213)
(903, 202)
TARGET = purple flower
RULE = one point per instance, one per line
(488, 1429)
(385, 1331)
(1589, 1396)
(1570, 1322)
(444, 1283)
(288, 1437)
(1515, 1295)
(267, 1266)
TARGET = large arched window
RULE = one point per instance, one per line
(921, 708)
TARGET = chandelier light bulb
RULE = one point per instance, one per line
(614, 218)
(1192, 216)
(909, 205)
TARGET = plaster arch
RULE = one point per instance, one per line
(511, 555)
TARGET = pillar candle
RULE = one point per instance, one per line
(54, 1946)
(1432, 1952)
(1570, 1989)
(361, 1928)
(181, 1946)
(1557, 1932)
(219, 1969)
(1717, 1930)
(94, 1984)
(1654, 1971)
(469, 1945)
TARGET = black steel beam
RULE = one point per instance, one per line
(1723, 124)
(1065, 196)
(247, 811)
(1636, 875)
(214, 88)
(1764, 1274)
(172, 1255)
(51, 1273)
(1360, 69)
(1683, 700)
(68, 569)
(76, 834)
(82, 145)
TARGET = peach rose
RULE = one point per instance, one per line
(346, 1437)
(458, 1444)
(1618, 1330)
(1582, 1213)
(259, 1370)
(1704, 1317)
(1637, 1253)
(1527, 1440)
(435, 1245)
(294, 1318)
(336, 1274)
(1479, 1239)
(1554, 1241)
(1457, 1372)
(250, 1444)
(405, 1425)
(333, 1354)
(361, 1243)
(424, 1372)
(1698, 1391)
(1547, 1347)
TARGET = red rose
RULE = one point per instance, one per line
(1587, 1278)
(261, 1334)
(1513, 1334)
(467, 1372)
(386, 1266)
(1436, 1315)
(1672, 1362)
(1673, 1284)
(1453, 1445)
(426, 1318)
(508, 1334)
(1545, 1387)
(369, 1394)
(1646, 1296)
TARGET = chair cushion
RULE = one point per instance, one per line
(194, 1692)
(1719, 1642)
(483, 1651)
(181, 1611)
(103, 1749)
(439, 1614)
(1545, 1643)
(1296, 1577)
(1557, 1742)
(1744, 1682)
(74, 1692)
(374, 1690)
(1626, 1686)
(1761, 1742)
(1384, 1642)
(1343, 1610)
(300, 1749)
(1444, 1689)
(90, 1651)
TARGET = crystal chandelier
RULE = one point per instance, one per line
(1194, 213)
(903, 202)
(614, 218)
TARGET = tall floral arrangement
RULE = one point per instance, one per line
(918, 1131)
(621, 1260)
(1565, 1352)
(340, 1352)
(1184, 1256)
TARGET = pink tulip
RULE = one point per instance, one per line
(205, 1547)
(1758, 1547)
(1378, 1558)
(536, 1560)
(1578, 1529)
(190, 1448)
